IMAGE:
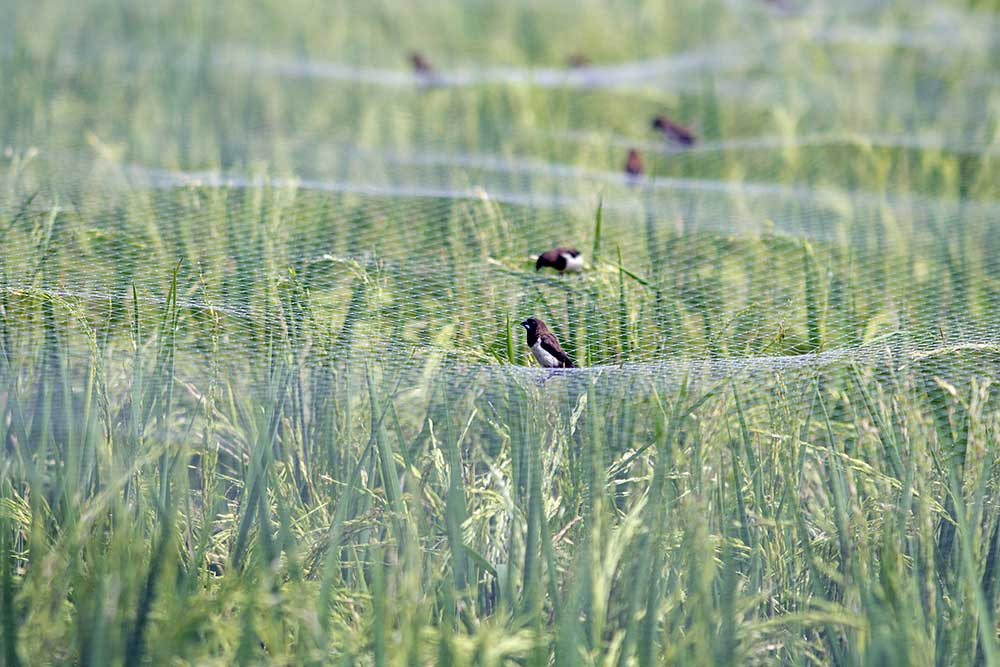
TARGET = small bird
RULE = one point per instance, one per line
(421, 65)
(633, 165)
(577, 61)
(544, 345)
(561, 259)
(673, 131)
(426, 75)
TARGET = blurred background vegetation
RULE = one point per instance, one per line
(265, 399)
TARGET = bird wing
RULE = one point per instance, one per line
(572, 252)
(681, 133)
(551, 345)
(551, 256)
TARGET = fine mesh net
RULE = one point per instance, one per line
(254, 246)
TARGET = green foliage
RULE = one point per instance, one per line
(271, 424)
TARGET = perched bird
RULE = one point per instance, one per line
(425, 73)
(672, 131)
(544, 345)
(561, 259)
(421, 65)
(633, 165)
(577, 61)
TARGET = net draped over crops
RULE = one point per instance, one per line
(260, 292)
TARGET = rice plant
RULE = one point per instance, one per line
(264, 398)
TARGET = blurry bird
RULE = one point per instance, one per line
(672, 131)
(421, 65)
(633, 165)
(544, 345)
(561, 259)
(577, 61)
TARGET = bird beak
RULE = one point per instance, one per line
(524, 324)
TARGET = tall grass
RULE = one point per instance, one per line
(270, 424)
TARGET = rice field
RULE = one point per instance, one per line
(265, 398)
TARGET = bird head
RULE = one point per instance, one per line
(531, 324)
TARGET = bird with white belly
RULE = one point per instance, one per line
(545, 346)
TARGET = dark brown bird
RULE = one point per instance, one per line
(577, 61)
(544, 345)
(673, 131)
(420, 64)
(633, 165)
(561, 259)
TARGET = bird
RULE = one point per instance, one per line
(577, 61)
(544, 345)
(633, 165)
(425, 73)
(421, 65)
(673, 131)
(561, 259)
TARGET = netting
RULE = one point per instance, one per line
(260, 295)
